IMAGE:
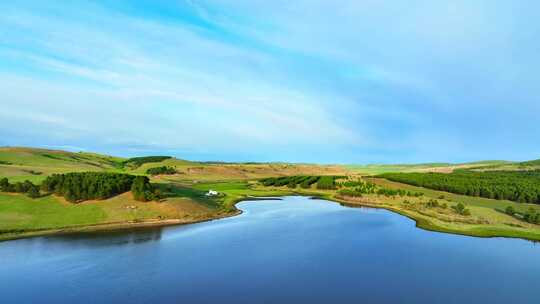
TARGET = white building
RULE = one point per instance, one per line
(211, 193)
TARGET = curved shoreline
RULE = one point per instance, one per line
(126, 226)
(428, 225)
(421, 223)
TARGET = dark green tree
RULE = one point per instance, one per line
(142, 190)
(33, 192)
(510, 210)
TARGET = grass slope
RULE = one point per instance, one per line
(375, 169)
(19, 164)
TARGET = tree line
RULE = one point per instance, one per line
(26, 187)
(138, 161)
(359, 188)
(81, 186)
(290, 181)
(161, 170)
(327, 182)
(531, 216)
(518, 186)
(304, 181)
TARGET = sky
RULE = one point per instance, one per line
(300, 81)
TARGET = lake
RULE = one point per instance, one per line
(295, 250)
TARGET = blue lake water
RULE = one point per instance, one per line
(295, 250)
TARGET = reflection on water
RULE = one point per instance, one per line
(291, 251)
(108, 238)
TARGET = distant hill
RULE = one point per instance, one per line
(23, 156)
(34, 164)
(531, 163)
(424, 167)
(138, 161)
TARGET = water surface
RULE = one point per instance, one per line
(292, 251)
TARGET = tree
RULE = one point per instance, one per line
(461, 210)
(33, 192)
(510, 210)
(432, 203)
(142, 190)
(532, 216)
(4, 185)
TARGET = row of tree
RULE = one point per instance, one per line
(161, 170)
(326, 183)
(531, 216)
(25, 187)
(290, 181)
(370, 188)
(136, 162)
(81, 186)
(519, 186)
(357, 188)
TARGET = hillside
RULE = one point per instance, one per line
(18, 163)
(535, 162)
(374, 169)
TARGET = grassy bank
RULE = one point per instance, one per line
(484, 221)
(22, 217)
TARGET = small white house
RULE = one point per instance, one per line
(211, 193)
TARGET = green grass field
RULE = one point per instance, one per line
(18, 212)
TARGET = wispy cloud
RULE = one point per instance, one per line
(356, 81)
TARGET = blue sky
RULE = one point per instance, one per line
(303, 81)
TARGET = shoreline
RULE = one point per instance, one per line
(110, 227)
(420, 221)
(126, 226)
(428, 225)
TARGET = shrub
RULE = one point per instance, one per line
(350, 192)
(510, 210)
(532, 216)
(461, 210)
(33, 192)
(432, 203)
